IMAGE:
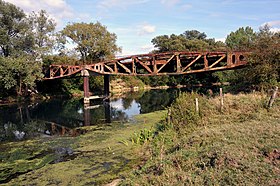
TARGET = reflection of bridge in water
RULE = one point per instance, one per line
(171, 63)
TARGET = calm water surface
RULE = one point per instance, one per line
(64, 117)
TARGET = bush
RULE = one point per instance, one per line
(183, 111)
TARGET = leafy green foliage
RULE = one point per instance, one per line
(241, 39)
(142, 137)
(183, 110)
(264, 62)
(93, 41)
(190, 40)
(43, 29)
(15, 35)
(19, 73)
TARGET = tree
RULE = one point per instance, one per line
(190, 40)
(194, 34)
(15, 35)
(241, 39)
(19, 73)
(93, 41)
(43, 29)
(263, 69)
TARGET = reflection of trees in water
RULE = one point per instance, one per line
(127, 102)
(118, 115)
(157, 99)
(129, 97)
(60, 111)
(10, 131)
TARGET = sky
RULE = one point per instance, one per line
(137, 22)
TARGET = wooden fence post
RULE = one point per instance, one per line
(169, 116)
(196, 105)
(221, 99)
(272, 98)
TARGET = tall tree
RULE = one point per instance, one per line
(241, 39)
(43, 29)
(15, 34)
(94, 41)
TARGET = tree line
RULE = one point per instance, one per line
(28, 42)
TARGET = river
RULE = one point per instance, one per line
(64, 116)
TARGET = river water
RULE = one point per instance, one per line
(65, 117)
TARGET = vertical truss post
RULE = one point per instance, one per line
(178, 63)
(155, 71)
(205, 62)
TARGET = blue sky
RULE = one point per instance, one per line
(137, 22)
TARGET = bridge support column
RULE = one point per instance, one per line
(86, 90)
(107, 111)
(86, 117)
(106, 85)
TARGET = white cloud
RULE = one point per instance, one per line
(57, 9)
(146, 29)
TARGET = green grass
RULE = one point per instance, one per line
(240, 146)
(103, 154)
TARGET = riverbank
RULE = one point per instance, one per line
(238, 145)
(99, 156)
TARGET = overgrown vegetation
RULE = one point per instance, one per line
(238, 146)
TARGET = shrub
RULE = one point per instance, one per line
(183, 111)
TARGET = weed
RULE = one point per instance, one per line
(143, 136)
(238, 146)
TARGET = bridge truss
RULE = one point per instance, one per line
(170, 63)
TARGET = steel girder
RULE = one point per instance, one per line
(170, 63)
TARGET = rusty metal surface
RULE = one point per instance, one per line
(170, 63)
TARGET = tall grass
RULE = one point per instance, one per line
(238, 146)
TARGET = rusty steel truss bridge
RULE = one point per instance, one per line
(169, 63)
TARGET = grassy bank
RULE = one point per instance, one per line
(238, 146)
(99, 156)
